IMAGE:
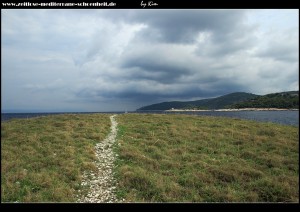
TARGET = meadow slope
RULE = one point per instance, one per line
(162, 158)
(43, 159)
(182, 158)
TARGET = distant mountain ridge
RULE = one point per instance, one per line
(212, 103)
(288, 99)
(283, 100)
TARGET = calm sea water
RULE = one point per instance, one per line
(8, 116)
(281, 117)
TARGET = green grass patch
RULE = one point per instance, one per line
(162, 158)
(182, 158)
(43, 159)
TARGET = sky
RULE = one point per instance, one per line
(120, 60)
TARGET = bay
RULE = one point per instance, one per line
(280, 117)
(287, 117)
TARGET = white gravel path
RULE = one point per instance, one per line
(102, 185)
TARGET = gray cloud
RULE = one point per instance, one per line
(183, 26)
(151, 69)
(281, 52)
(101, 60)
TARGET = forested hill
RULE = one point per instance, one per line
(213, 103)
(287, 100)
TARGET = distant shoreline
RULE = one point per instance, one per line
(229, 110)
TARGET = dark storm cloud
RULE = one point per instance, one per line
(151, 92)
(97, 60)
(183, 26)
(150, 69)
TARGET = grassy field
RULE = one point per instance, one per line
(181, 158)
(162, 158)
(43, 159)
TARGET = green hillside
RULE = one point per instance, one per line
(289, 100)
(275, 100)
(213, 103)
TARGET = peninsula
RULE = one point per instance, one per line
(233, 102)
(225, 110)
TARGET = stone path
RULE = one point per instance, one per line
(102, 185)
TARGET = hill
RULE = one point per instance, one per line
(288, 100)
(213, 103)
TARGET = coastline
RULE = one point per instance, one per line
(232, 110)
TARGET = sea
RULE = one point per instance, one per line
(280, 117)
